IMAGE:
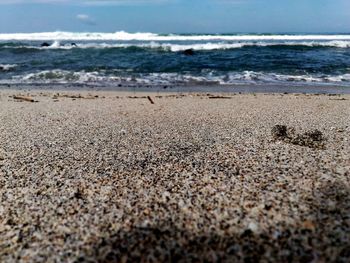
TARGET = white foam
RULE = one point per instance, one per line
(231, 78)
(59, 76)
(125, 36)
(181, 47)
(245, 77)
(7, 67)
(339, 78)
(55, 44)
(223, 46)
(253, 77)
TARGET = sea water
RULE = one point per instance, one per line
(110, 59)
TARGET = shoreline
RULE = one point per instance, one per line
(249, 88)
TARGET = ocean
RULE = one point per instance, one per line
(143, 59)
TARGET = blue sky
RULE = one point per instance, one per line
(175, 16)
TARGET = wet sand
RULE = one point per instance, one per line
(110, 177)
(313, 88)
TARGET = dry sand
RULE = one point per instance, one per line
(115, 178)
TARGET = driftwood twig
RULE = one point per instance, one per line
(23, 98)
(219, 97)
(150, 99)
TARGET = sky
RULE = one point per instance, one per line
(176, 16)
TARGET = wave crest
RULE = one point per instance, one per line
(7, 67)
(212, 77)
(181, 47)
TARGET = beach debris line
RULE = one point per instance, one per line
(142, 97)
(71, 96)
(24, 98)
(219, 97)
(338, 99)
(311, 138)
(137, 97)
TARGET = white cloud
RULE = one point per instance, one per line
(83, 17)
(86, 19)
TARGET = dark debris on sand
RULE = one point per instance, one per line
(311, 139)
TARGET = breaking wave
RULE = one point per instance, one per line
(215, 78)
(155, 59)
(181, 47)
(7, 67)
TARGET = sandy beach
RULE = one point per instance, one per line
(193, 177)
